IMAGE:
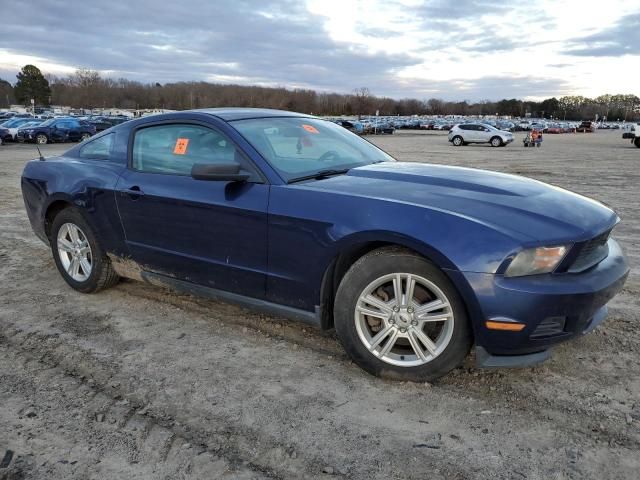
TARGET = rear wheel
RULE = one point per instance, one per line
(77, 254)
(42, 139)
(398, 316)
(457, 140)
(636, 142)
(496, 142)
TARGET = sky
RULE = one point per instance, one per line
(450, 49)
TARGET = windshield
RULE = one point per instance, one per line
(298, 147)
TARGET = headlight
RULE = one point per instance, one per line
(534, 261)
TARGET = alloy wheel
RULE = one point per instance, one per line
(74, 252)
(404, 319)
(41, 139)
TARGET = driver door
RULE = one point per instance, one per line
(212, 233)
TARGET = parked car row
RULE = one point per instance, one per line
(385, 124)
(57, 130)
(27, 128)
(366, 126)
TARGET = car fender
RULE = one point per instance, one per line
(357, 240)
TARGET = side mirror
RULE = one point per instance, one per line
(223, 172)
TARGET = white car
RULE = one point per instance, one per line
(14, 130)
(14, 123)
(479, 133)
(636, 135)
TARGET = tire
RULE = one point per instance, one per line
(84, 137)
(457, 141)
(636, 142)
(496, 142)
(100, 274)
(450, 338)
(42, 139)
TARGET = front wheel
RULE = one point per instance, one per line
(457, 141)
(398, 316)
(496, 142)
(42, 139)
(84, 137)
(78, 255)
(636, 142)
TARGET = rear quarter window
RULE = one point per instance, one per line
(98, 148)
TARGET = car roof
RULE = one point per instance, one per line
(240, 113)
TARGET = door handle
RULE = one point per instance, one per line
(133, 192)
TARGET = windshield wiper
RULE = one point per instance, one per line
(319, 175)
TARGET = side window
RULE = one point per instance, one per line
(465, 127)
(175, 148)
(99, 149)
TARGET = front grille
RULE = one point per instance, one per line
(591, 252)
(549, 327)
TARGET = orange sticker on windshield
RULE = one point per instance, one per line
(310, 128)
(181, 146)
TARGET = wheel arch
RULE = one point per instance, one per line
(356, 246)
(52, 210)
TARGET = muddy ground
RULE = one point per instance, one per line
(138, 382)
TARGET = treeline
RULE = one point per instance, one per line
(88, 89)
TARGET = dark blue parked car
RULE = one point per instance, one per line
(285, 213)
(57, 130)
(5, 135)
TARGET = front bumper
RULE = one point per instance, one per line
(554, 307)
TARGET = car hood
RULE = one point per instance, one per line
(526, 208)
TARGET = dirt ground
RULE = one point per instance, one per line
(138, 382)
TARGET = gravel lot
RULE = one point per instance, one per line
(138, 382)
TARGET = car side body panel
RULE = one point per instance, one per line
(88, 185)
(310, 227)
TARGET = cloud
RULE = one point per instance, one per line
(623, 38)
(490, 87)
(271, 42)
(461, 9)
(396, 48)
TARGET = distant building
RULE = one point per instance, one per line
(151, 111)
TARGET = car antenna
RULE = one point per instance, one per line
(42, 159)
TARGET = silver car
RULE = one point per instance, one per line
(479, 133)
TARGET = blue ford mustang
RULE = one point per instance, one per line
(288, 214)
